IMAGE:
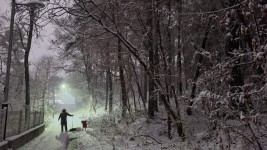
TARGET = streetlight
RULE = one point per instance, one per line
(63, 85)
(32, 4)
(35, 3)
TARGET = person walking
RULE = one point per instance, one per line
(63, 116)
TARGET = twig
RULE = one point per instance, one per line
(213, 12)
(254, 137)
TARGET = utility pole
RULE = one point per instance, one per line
(8, 64)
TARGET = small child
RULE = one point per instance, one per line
(84, 123)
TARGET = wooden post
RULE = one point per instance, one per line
(40, 114)
(3, 122)
(20, 121)
(34, 118)
(5, 108)
(43, 117)
(28, 119)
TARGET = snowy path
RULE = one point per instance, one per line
(53, 139)
(102, 134)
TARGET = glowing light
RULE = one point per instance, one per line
(63, 85)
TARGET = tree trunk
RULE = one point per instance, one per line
(88, 70)
(10, 47)
(168, 69)
(110, 91)
(139, 87)
(144, 83)
(133, 93)
(179, 70)
(108, 78)
(179, 54)
(151, 48)
(26, 67)
(26, 58)
(197, 73)
(124, 96)
(180, 130)
(107, 90)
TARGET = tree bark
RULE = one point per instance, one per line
(10, 46)
(106, 88)
(151, 51)
(124, 96)
(168, 67)
(110, 91)
(26, 58)
(139, 87)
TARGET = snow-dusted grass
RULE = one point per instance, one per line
(137, 132)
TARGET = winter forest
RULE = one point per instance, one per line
(165, 74)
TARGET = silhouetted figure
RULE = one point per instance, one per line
(63, 116)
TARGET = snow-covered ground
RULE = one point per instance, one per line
(52, 138)
(104, 133)
(109, 132)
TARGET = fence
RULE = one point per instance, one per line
(2, 123)
(19, 121)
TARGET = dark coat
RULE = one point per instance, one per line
(63, 117)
